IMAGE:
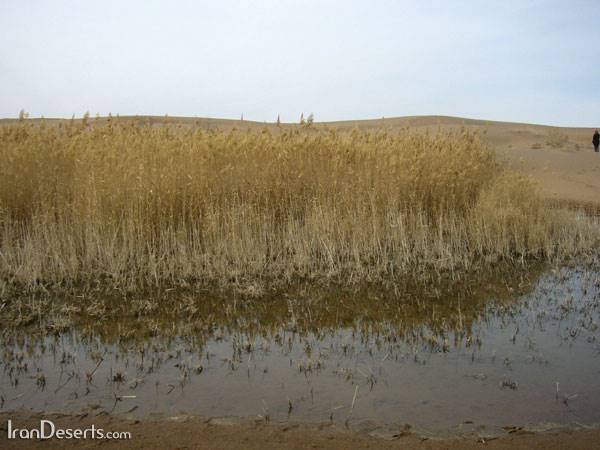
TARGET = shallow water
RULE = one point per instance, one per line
(437, 364)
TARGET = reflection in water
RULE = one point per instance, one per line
(527, 354)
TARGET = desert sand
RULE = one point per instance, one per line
(560, 159)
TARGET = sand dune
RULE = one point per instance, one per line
(561, 159)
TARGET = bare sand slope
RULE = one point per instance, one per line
(563, 174)
(561, 159)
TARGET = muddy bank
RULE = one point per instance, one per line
(194, 432)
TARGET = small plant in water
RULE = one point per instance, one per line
(508, 383)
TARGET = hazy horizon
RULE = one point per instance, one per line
(521, 61)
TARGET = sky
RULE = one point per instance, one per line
(522, 60)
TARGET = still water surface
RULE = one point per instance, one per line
(527, 357)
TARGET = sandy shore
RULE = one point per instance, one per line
(191, 433)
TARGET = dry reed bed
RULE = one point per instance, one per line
(128, 206)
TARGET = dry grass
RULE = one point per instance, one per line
(127, 206)
(556, 139)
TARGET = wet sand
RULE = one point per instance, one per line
(197, 433)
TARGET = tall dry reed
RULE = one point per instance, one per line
(129, 206)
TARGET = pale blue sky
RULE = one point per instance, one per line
(522, 60)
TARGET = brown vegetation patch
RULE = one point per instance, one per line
(126, 205)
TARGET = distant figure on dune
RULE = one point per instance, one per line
(596, 141)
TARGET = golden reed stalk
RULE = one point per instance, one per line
(122, 205)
